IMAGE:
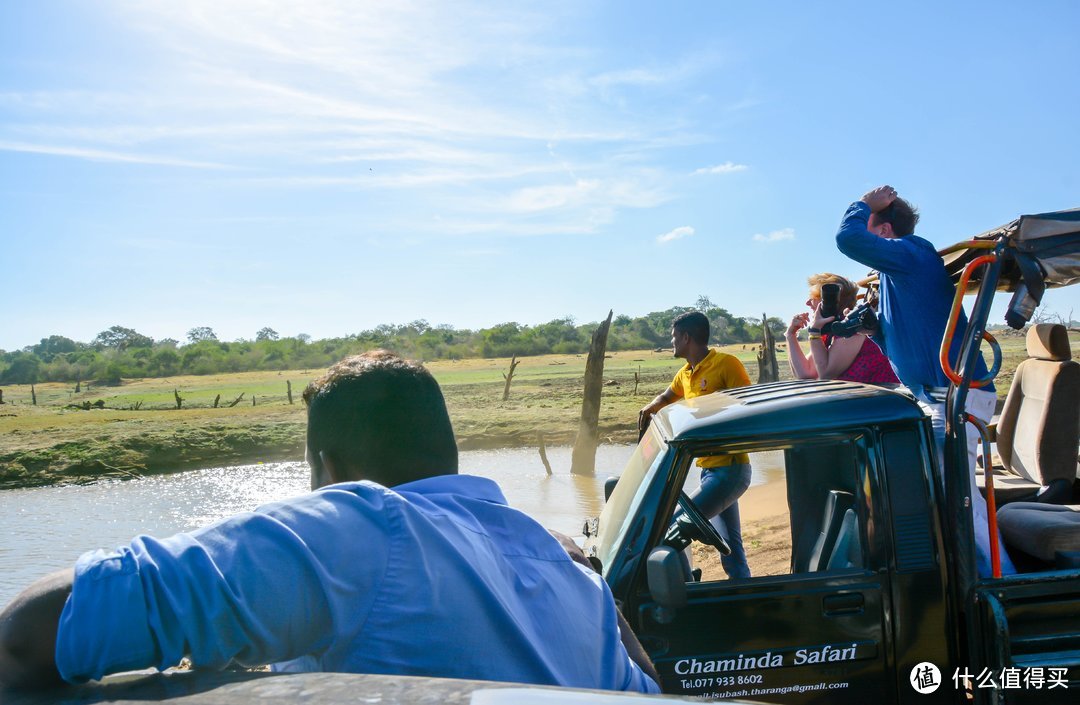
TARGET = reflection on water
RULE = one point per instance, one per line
(45, 529)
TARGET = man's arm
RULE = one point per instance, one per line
(855, 240)
(800, 366)
(630, 642)
(668, 396)
(28, 633)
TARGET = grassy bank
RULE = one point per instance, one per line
(140, 431)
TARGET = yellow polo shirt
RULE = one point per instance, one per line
(716, 372)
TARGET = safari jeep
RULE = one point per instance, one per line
(861, 546)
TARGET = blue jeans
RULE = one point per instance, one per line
(718, 499)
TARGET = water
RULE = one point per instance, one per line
(46, 529)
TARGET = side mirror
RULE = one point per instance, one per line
(609, 487)
(667, 580)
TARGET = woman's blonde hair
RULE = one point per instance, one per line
(848, 291)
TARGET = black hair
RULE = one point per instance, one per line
(901, 215)
(381, 418)
(693, 323)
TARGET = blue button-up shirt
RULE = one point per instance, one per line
(437, 577)
(916, 300)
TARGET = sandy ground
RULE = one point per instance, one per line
(766, 534)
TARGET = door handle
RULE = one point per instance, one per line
(845, 603)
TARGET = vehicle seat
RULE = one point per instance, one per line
(837, 504)
(1044, 531)
(1039, 428)
(847, 552)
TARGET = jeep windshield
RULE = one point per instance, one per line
(623, 503)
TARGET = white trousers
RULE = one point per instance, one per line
(980, 404)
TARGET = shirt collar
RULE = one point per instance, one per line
(473, 486)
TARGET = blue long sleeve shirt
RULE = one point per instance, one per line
(916, 298)
(437, 577)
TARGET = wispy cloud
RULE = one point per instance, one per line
(725, 168)
(99, 155)
(776, 236)
(676, 234)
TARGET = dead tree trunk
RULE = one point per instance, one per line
(288, 389)
(236, 401)
(33, 395)
(1, 396)
(217, 400)
(543, 451)
(78, 385)
(253, 400)
(768, 370)
(509, 376)
(583, 458)
(179, 399)
(637, 379)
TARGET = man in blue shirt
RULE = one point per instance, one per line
(916, 297)
(394, 564)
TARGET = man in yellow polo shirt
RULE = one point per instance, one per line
(724, 478)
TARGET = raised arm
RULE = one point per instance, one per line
(28, 633)
(801, 367)
(854, 239)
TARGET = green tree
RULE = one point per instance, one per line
(121, 338)
(201, 333)
(266, 334)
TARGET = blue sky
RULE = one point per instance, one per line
(326, 166)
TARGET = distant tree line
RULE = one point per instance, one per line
(121, 352)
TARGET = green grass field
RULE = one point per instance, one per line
(140, 430)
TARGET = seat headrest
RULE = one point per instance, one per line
(1048, 341)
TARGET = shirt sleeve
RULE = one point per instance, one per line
(735, 374)
(889, 256)
(676, 385)
(250, 589)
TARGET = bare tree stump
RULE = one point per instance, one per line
(1, 396)
(33, 395)
(583, 458)
(217, 400)
(253, 400)
(236, 401)
(543, 452)
(78, 385)
(179, 399)
(768, 369)
(509, 376)
(288, 389)
(637, 379)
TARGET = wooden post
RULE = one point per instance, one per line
(583, 458)
(543, 451)
(217, 400)
(768, 370)
(179, 399)
(78, 385)
(33, 395)
(253, 400)
(637, 379)
(509, 376)
(1, 396)
(288, 388)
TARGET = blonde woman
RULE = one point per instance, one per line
(856, 359)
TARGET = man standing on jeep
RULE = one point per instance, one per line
(724, 478)
(916, 296)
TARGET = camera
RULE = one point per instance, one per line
(830, 304)
(861, 318)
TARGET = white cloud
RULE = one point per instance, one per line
(676, 234)
(725, 168)
(99, 155)
(776, 235)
